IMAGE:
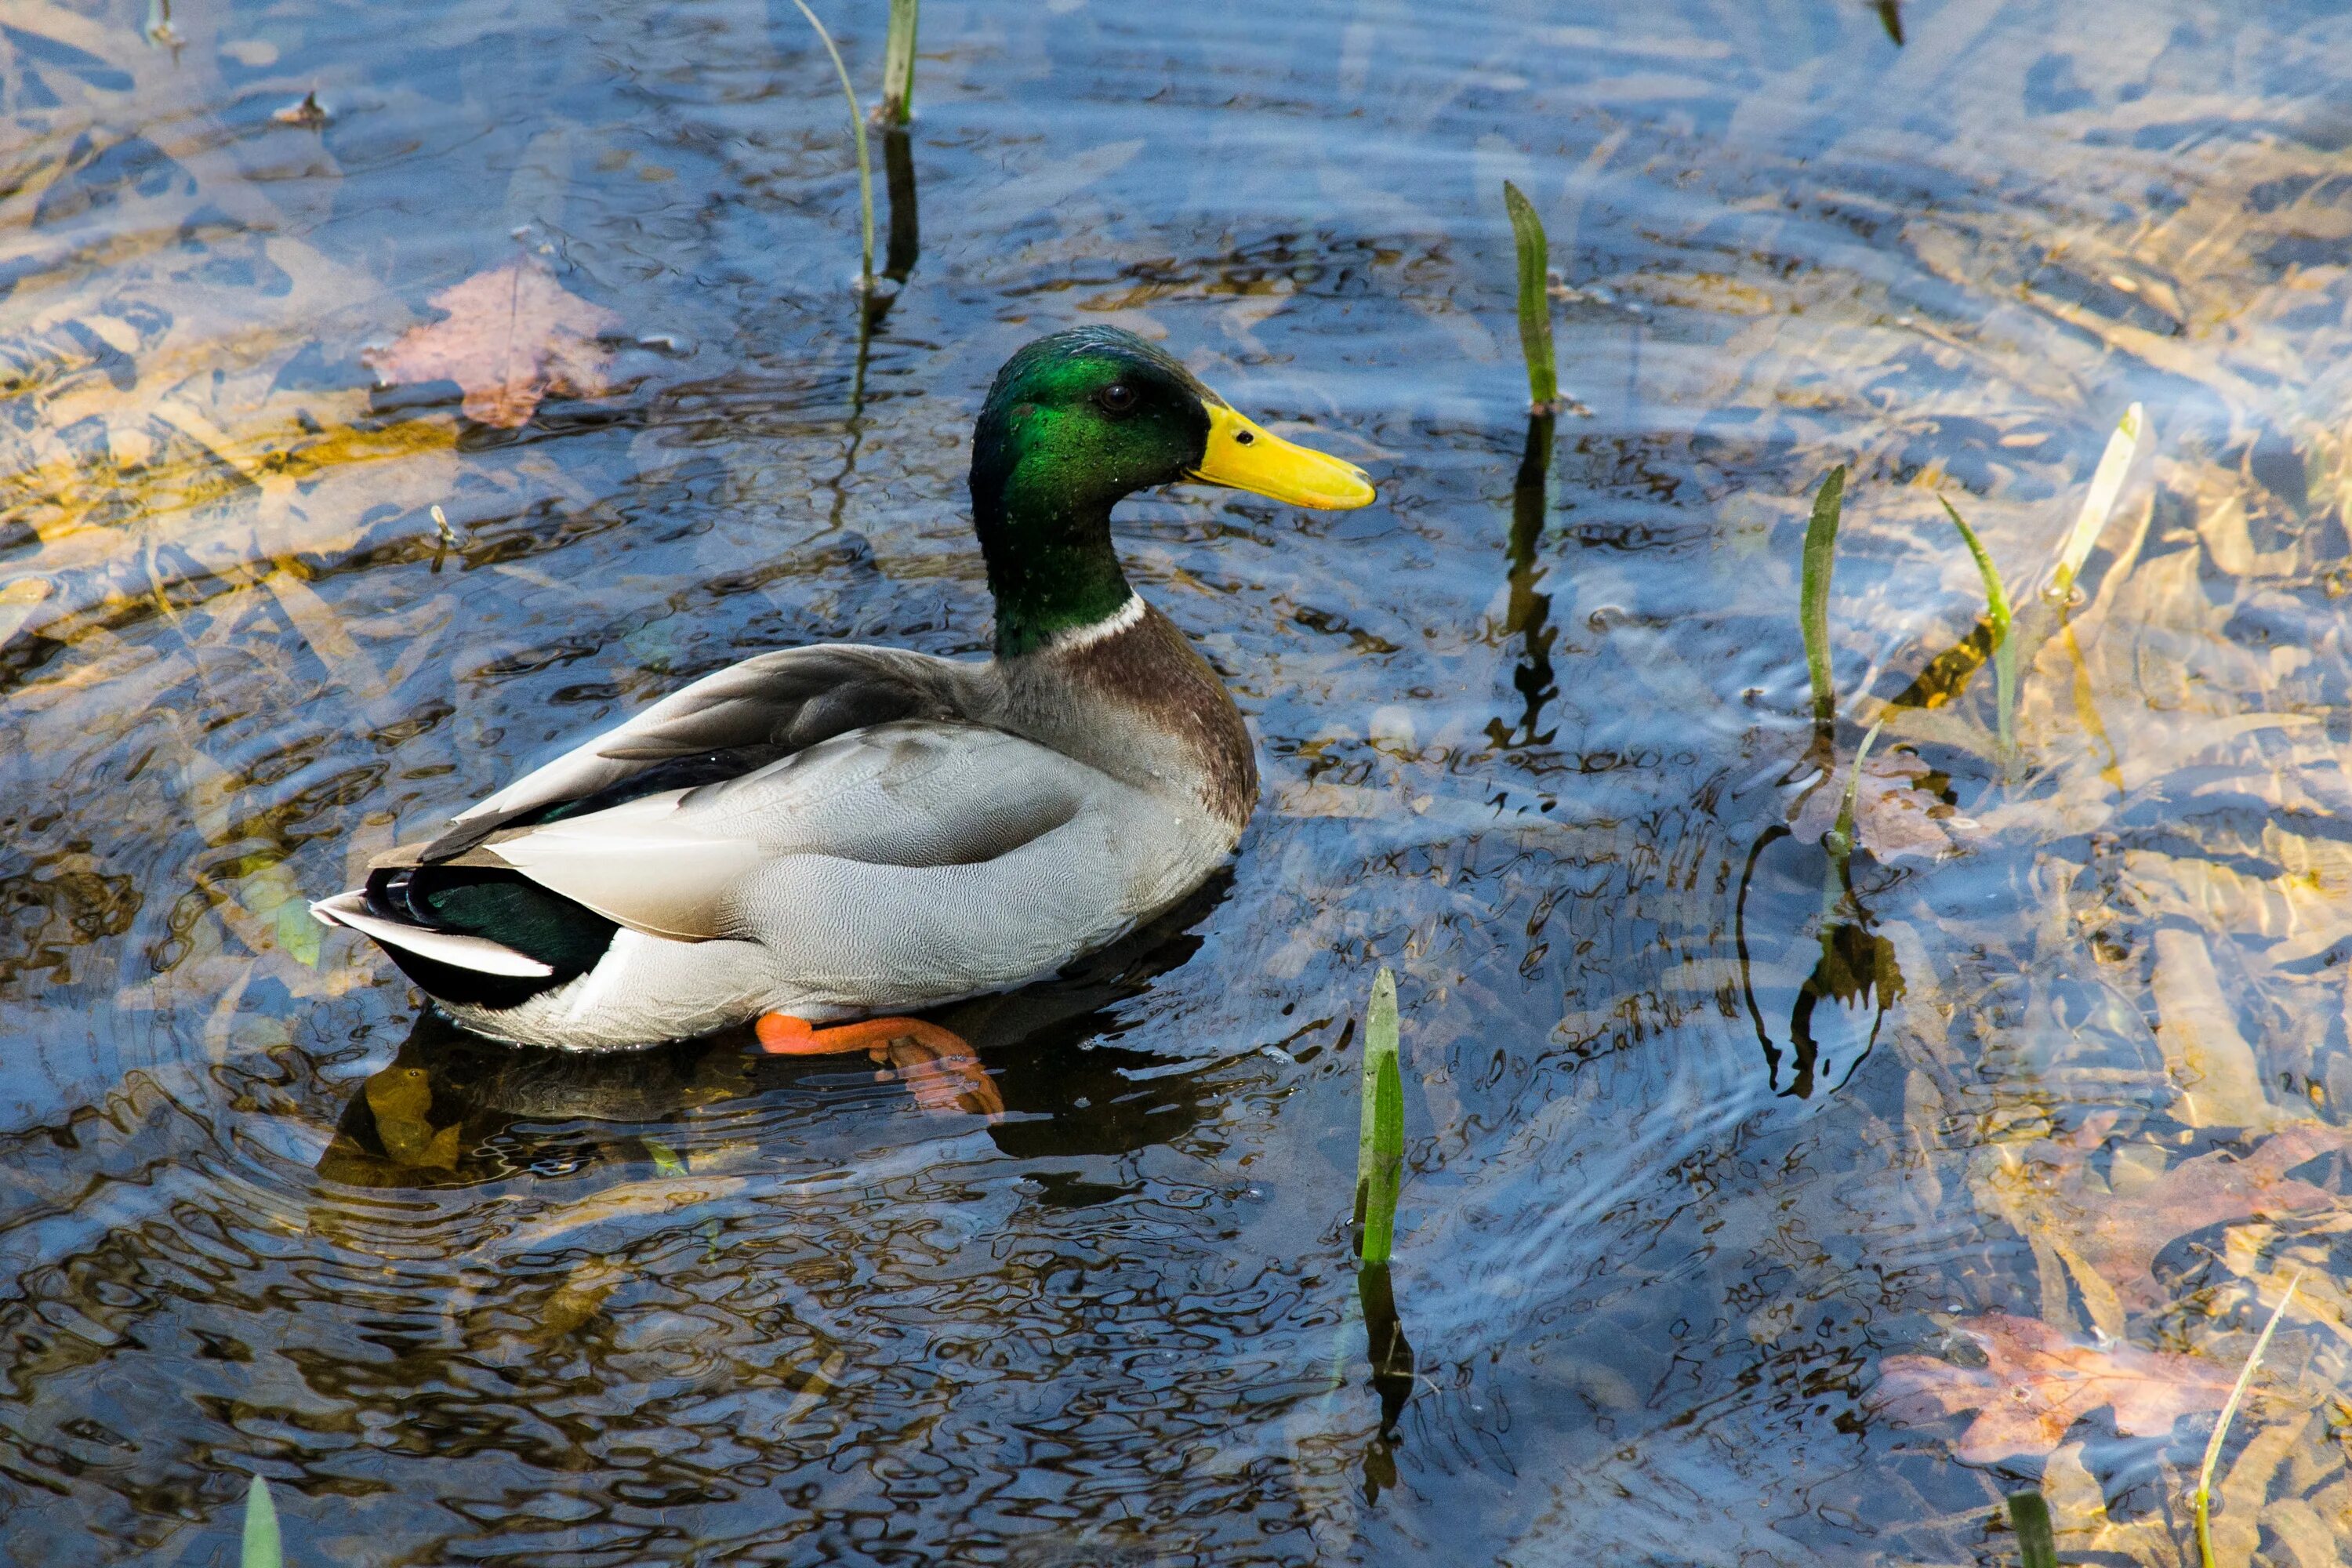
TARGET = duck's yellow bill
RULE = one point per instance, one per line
(1249, 458)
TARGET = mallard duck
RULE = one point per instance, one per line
(843, 831)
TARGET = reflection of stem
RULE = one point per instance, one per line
(866, 315)
(898, 170)
(2086, 709)
(870, 310)
(1389, 1350)
(1945, 676)
(1530, 614)
(840, 485)
(1739, 940)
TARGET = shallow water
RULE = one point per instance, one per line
(1669, 1202)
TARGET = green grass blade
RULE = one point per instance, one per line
(1379, 1137)
(898, 64)
(2221, 1426)
(864, 163)
(1997, 613)
(1838, 842)
(1843, 833)
(1813, 592)
(1535, 300)
(262, 1547)
(2028, 1515)
(2131, 436)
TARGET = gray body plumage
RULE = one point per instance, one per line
(905, 830)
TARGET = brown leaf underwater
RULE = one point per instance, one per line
(1895, 815)
(2037, 1382)
(513, 336)
(2059, 1200)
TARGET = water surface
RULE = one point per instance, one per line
(1671, 1195)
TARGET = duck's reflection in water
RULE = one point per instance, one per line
(453, 1107)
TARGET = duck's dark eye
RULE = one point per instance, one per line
(1117, 398)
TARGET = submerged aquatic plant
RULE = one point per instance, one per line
(865, 161)
(1813, 592)
(2028, 1515)
(1534, 301)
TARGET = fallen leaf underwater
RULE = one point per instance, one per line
(2036, 1384)
(1762, 1200)
(512, 336)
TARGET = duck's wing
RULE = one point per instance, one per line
(911, 795)
(726, 724)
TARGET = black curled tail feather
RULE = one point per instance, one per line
(504, 906)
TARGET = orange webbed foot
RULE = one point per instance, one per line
(938, 1065)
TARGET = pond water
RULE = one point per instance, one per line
(1700, 1132)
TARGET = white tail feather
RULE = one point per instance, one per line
(475, 953)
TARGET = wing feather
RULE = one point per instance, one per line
(912, 794)
(742, 718)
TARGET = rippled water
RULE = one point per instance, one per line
(259, 1214)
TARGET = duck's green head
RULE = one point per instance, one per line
(1075, 421)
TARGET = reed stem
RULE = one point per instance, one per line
(1813, 592)
(899, 65)
(1997, 617)
(1380, 1138)
(864, 163)
(1534, 301)
(262, 1547)
(2028, 1515)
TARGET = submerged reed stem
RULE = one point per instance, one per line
(2028, 1515)
(864, 163)
(1534, 301)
